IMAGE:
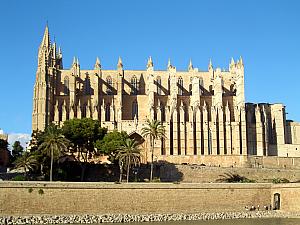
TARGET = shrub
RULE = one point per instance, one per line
(19, 178)
(30, 190)
(280, 180)
(41, 191)
(234, 178)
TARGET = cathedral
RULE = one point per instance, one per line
(204, 112)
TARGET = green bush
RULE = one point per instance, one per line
(280, 180)
(41, 191)
(30, 190)
(234, 178)
(19, 178)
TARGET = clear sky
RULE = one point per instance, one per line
(265, 33)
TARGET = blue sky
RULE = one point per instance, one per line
(265, 33)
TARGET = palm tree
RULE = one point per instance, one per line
(128, 155)
(27, 161)
(154, 130)
(54, 143)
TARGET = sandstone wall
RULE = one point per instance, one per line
(206, 174)
(30, 198)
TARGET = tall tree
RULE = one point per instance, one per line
(83, 133)
(27, 161)
(128, 155)
(153, 130)
(17, 150)
(54, 144)
(110, 144)
(4, 153)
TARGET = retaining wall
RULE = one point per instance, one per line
(32, 198)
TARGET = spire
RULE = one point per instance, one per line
(74, 61)
(77, 61)
(241, 61)
(232, 61)
(149, 63)
(210, 66)
(59, 52)
(120, 64)
(190, 68)
(97, 64)
(169, 64)
(54, 50)
(46, 37)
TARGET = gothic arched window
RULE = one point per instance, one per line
(158, 85)
(109, 85)
(134, 85)
(169, 85)
(191, 85)
(107, 112)
(66, 86)
(135, 109)
(87, 85)
(163, 113)
(180, 86)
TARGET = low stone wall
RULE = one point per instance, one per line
(206, 174)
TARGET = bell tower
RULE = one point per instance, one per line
(43, 96)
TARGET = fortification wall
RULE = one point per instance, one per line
(31, 198)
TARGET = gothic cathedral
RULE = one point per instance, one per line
(204, 112)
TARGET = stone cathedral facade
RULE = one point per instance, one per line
(204, 112)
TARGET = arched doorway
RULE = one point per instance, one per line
(276, 201)
(141, 141)
(138, 138)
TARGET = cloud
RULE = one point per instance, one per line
(22, 138)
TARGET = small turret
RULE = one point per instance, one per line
(59, 52)
(54, 51)
(210, 66)
(169, 64)
(241, 61)
(120, 64)
(150, 63)
(77, 62)
(231, 65)
(190, 68)
(97, 64)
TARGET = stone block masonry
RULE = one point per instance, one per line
(61, 198)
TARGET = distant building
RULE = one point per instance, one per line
(204, 112)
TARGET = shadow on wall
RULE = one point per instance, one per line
(71, 171)
(163, 171)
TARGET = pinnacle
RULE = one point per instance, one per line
(190, 65)
(169, 63)
(120, 64)
(232, 61)
(210, 66)
(150, 62)
(97, 64)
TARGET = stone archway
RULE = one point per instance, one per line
(138, 138)
(276, 201)
(143, 145)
